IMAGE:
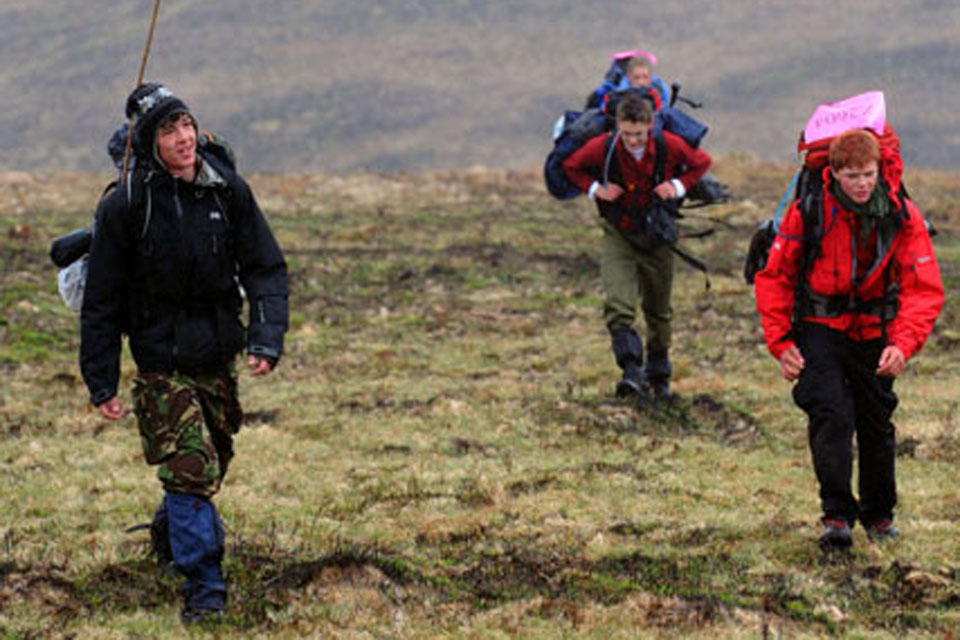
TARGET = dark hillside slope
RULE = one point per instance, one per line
(422, 84)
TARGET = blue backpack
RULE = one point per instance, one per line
(571, 131)
(574, 128)
(615, 79)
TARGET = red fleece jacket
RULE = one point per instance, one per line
(913, 266)
(585, 165)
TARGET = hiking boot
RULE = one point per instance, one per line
(882, 531)
(658, 371)
(634, 382)
(836, 535)
(198, 610)
(194, 615)
(628, 352)
(661, 389)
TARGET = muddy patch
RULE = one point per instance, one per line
(701, 415)
(692, 590)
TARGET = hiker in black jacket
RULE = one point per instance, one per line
(170, 248)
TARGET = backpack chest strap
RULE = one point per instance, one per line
(884, 307)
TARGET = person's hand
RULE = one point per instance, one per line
(665, 190)
(112, 409)
(791, 363)
(608, 192)
(259, 366)
(892, 362)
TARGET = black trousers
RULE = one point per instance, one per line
(842, 397)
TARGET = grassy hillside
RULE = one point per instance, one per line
(440, 455)
(432, 84)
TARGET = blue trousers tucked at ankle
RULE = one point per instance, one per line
(196, 543)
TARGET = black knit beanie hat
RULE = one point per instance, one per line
(147, 107)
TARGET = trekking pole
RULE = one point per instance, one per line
(143, 67)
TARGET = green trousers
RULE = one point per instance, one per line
(631, 274)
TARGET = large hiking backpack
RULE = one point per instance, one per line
(708, 190)
(574, 128)
(667, 118)
(570, 132)
(69, 252)
(866, 111)
(658, 226)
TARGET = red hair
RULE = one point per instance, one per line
(854, 148)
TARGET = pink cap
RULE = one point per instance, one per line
(620, 55)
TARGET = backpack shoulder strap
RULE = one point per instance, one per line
(659, 158)
(902, 195)
(810, 202)
(140, 203)
(813, 215)
(134, 192)
(107, 190)
(611, 168)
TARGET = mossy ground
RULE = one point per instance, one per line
(440, 453)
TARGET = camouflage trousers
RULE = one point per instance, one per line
(187, 424)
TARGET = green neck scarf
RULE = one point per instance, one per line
(870, 212)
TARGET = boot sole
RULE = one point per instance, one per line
(625, 389)
(629, 389)
(835, 542)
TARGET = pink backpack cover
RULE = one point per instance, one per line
(864, 111)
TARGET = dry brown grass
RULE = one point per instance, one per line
(439, 454)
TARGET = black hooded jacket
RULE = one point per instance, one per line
(164, 268)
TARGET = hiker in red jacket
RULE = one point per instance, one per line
(844, 320)
(634, 266)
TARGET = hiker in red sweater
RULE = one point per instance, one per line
(636, 175)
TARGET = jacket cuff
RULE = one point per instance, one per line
(778, 348)
(678, 186)
(267, 353)
(907, 352)
(592, 192)
(97, 398)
